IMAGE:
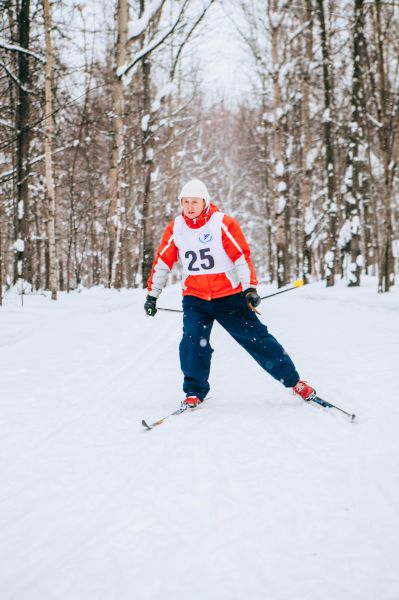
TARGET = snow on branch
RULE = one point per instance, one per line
(13, 48)
(193, 28)
(299, 31)
(11, 174)
(13, 77)
(124, 69)
(374, 121)
(137, 28)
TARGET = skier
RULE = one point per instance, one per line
(219, 284)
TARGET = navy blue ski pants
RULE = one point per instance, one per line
(241, 322)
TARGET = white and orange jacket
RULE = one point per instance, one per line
(214, 254)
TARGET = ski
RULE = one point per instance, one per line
(180, 410)
(315, 399)
(155, 423)
(325, 404)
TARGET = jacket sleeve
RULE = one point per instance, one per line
(167, 255)
(238, 250)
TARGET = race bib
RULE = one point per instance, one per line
(201, 250)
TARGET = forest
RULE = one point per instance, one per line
(104, 117)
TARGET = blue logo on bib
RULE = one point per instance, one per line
(205, 238)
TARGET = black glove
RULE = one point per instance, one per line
(252, 297)
(150, 306)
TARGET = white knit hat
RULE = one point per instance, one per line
(195, 189)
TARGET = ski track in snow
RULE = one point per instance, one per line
(254, 495)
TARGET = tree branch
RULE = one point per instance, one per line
(13, 48)
(122, 72)
(197, 22)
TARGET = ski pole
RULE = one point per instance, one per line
(296, 284)
(325, 404)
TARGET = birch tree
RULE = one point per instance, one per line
(307, 154)
(49, 134)
(385, 258)
(115, 215)
(351, 231)
(276, 17)
(331, 207)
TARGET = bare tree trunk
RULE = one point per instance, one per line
(331, 249)
(351, 232)
(49, 124)
(59, 244)
(147, 166)
(367, 218)
(23, 246)
(279, 166)
(39, 251)
(118, 109)
(305, 118)
(386, 268)
(268, 210)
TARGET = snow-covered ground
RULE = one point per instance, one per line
(256, 495)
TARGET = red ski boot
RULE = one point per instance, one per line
(192, 401)
(304, 390)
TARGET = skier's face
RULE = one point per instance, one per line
(192, 207)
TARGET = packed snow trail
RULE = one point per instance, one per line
(255, 495)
